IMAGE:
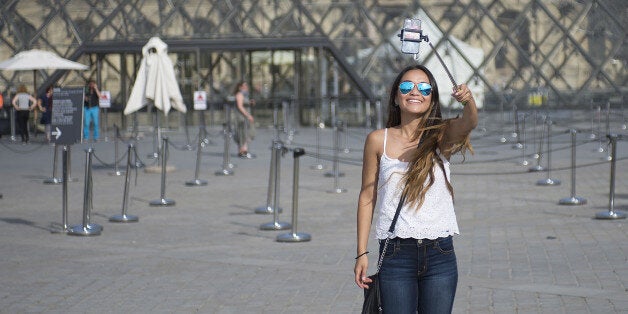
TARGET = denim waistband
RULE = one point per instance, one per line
(415, 241)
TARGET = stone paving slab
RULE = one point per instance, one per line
(518, 252)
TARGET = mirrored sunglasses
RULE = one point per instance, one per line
(424, 88)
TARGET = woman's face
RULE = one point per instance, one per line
(414, 101)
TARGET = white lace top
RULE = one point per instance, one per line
(436, 217)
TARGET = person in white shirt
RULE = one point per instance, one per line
(411, 157)
(24, 103)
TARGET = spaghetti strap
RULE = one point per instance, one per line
(385, 137)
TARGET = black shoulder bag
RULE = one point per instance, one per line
(372, 301)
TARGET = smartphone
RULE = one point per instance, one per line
(411, 36)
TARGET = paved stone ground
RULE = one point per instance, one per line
(518, 252)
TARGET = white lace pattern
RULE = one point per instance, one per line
(435, 218)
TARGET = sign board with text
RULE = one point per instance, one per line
(105, 99)
(67, 115)
(200, 100)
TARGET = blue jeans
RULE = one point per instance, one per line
(89, 115)
(418, 275)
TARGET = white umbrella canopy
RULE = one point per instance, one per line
(36, 59)
(155, 81)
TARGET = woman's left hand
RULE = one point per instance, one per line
(462, 94)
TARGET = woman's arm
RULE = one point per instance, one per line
(459, 128)
(366, 203)
(31, 98)
(14, 102)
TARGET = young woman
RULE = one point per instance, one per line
(44, 103)
(245, 129)
(411, 156)
(23, 103)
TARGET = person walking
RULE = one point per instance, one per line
(44, 103)
(23, 103)
(245, 127)
(410, 157)
(91, 110)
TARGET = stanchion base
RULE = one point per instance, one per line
(266, 210)
(224, 172)
(196, 182)
(331, 174)
(502, 140)
(275, 226)
(294, 237)
(124, 218)
(53, 181)
(337, 191)
(572, 200)
(610, 215)
(162, 202)
(117, 173)
(536, 169)
(524, 162)
(517, 146)
(548, 181)
(80, 230)
(317, 167)
(152, 156)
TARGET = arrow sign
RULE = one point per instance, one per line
(57, 133)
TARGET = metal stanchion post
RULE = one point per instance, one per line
(116, 170)
(295, 236)
(155, 153)
(379, 114)
(335, 172)
(12, 120)
(345, 130)
(54, 179)
(268, 208)
(367, 114)
(573, 199)
(549, 180)
(226, 163)
(86, 228)
(524, 162)
(600, 148)
(125, 198)
(539, 153)
(187, 145)
(70, 179)
(65, 176)
(105, 125)
(612, 213)
(276, 224)
(592, 135)
(163, 201)
(199, 148)
(516, 132)
(205, 136)
(318, 165)
(608, 127)
(502, 139)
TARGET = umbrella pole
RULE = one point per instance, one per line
(155, 153)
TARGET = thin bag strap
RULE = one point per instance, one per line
(391, 231)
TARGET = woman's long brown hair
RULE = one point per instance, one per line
(420, 175)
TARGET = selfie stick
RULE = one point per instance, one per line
(412, 33)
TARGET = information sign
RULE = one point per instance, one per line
(67, 115)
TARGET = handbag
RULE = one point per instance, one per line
(372, 298)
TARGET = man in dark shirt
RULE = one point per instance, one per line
(91, 110)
